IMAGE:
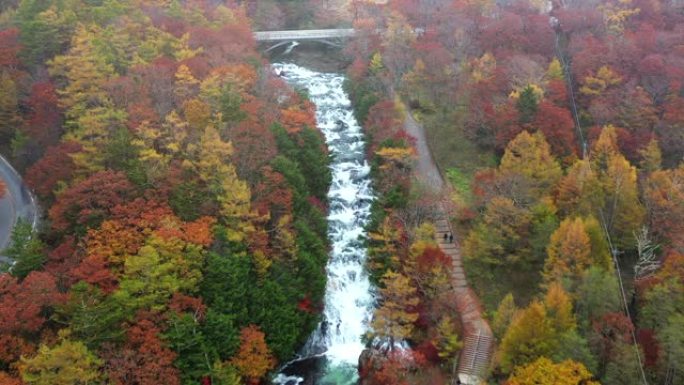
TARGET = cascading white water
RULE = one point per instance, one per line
(348, 298)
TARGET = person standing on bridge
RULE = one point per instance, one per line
(451, 238)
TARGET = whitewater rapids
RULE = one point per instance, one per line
(348, 297)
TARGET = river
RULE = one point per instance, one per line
(330, 356)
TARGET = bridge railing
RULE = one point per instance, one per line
(303, 34)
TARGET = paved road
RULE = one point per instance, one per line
(426, 168)
(18, 202)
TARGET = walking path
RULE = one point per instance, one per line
(478, 339)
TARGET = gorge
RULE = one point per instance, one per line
(348, 298)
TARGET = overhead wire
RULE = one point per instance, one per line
(583, 143)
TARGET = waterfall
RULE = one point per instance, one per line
(348, 298)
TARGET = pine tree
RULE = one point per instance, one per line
(527, 104)
(26, 249)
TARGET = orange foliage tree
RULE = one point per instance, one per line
(254, 358)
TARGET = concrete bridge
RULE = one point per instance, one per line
(331, 37)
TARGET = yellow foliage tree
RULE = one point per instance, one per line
(600, 82)
(418, 84)
(154, 160)
(497, 239)
(162, 267)
(569, 252)
(225, 16)
(555, 70)
(212, 166)
(447, 341)
(383, 246)
(232, 194)
(397, 157)
(537, 91)
(173, 134)
(91, 115)
(92, 129)
(504, 315)
(530, 156)
(600, 251)
(578, 192)
(482, 68)
(375, 65)
(605, 187)
(430, 281)
(182, 50)
(85, 71)
(67, 363)
(536, 330)
(651, 157)
(197, 113)
(186, 84)
(392, 319)
(664, 196)
(9, 119)
(397, 41)
(620, 210)
(426, 233)
(284, 243)
(529, 337)
(545, 372)
(616, 14)
(242, 77)
(559, 309)
(605, 147)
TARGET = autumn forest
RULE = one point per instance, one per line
(473, 192)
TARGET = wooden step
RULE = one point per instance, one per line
(477, 348)
(476, 353)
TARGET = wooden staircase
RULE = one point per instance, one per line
(474, 360)
(478, 339)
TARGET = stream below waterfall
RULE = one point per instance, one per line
(330, 356)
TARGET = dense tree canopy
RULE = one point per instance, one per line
(172, 165)
(184, 188)
(558, 125)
